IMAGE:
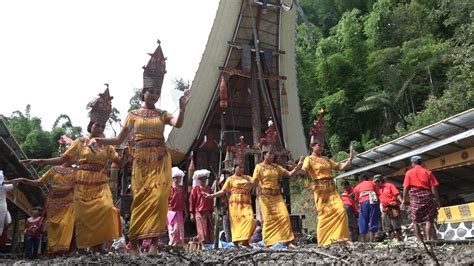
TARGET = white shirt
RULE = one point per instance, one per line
(3, 196)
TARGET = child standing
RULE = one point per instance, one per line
(33, 231)
(176, 209)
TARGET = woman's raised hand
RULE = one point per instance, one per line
(183, 100)
(351, 152)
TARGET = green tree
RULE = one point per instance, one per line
(340, 72)
(21, 124)
(383, 69)
(64, 122)
(38, 144)
(180, 84)
(325, 14)
(33, 140)
(135, 101)
(114, 119)
(390, 24)
(306, 43)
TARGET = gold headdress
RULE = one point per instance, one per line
(271, 143)
(317, 131)
(101, 108)
(154, 71)
(236, 154)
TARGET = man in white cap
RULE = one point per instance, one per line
(176, 209)
(424, 199)
(5, 217)
(201, 207)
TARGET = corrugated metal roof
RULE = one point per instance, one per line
(446, 136)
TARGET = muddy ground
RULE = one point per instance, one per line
(356, 253)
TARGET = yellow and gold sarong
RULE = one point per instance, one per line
(96, 218)
(60, 207)
(276, 220)
(151, 174)
(333, 224)
(242, 222)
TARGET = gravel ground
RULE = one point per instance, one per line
(356, 253)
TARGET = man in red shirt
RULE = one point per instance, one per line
(201, 207)
(366, 194)
(390, 200)
(351, 208)
(421, 184)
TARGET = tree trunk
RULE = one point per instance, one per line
(431, 82)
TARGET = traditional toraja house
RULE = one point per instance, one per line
(447, 148)
(246, 77)
(21, 199)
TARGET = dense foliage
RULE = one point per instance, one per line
(384, 68)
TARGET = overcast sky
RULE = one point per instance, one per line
(56, 55)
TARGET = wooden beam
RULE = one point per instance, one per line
(260, 42)
(239, 72)
(271, 7)
(263, 19)
(260, 30)
(240, 46)
(273, 77)
(235, 71)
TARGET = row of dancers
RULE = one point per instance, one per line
(80, 201)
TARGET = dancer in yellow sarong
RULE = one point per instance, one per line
(59, 203)
(95, 216)
(59, 206)
(242, 221)
(151, 172)
(276, 220)
(332, 218)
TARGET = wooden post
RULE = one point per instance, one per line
(217, 201)
(256, 121)
(16, 227)
(256, 118)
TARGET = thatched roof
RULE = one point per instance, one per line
(233, 23)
